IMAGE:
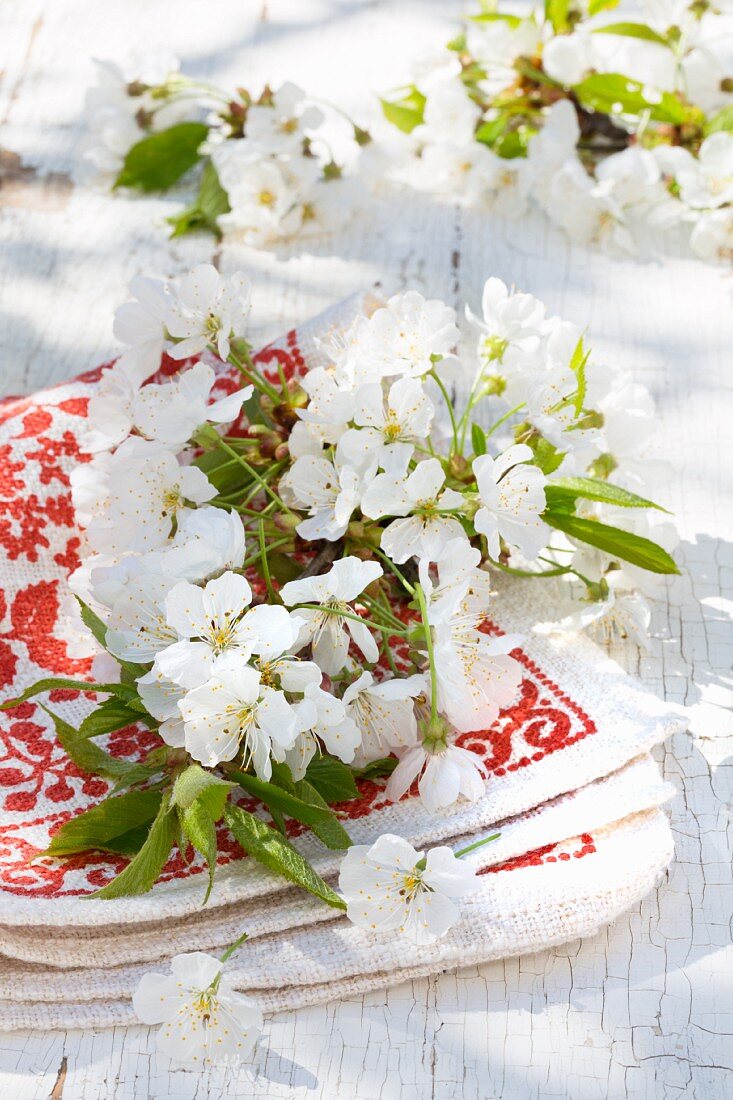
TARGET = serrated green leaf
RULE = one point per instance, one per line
(633, 30)
(405, 113)
(276, 853)
(199, 827)
(577, 364)
(616, 94)
(622, 545)
(333, 780)
(203, 214)
(195, 782)
(723, 120)
(313, 811)
(478, 439)
(591, 488)
(159, 160)
(377, 769)
(63, 683)
(111, 715)
(104, 822)
(90, 758)
(143, 870)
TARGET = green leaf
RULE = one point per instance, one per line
(314, 812)
(159, 160)
(143, 870)
(377, 768)
(275, 852)
(616, 94)
(489, 132)
(545, 454)
(90, 758)
(633, 30)
(105, 822)
(405, 113)
(494, 16)
(577, 365)
(194, 783)
(62, 683)
(592, 488)
(113, 714)
(333, 780)
(723, 120)
(557, 12)
(329, 831)
(203, 214)
(612, 540)
(199, 827)
(595, 6)
(478, 439)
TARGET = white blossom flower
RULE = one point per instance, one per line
(444, 773)
(168, 413)
(460, 581)
(568, 58)
(283, 123)
(324, 720)
(384, 713)
(329, 491)
(511, 322)
(161, 697)
(140, 324)
(214, 622)
(618, 616)
(234, 713)
(551, 147)
(263, 194)
(418, 498)
(202, 1016)
(496, 45)
(405, 335)
(329, 408)
(398, 420)
(712, 236)
(476, 677)
(146, 490)
(587, 210)
(136, 627)
(449, 114)
(706, 181)
(512, 495)
(329, 631)
(391, 887)
(208, 309)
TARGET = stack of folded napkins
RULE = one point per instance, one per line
(573, 793)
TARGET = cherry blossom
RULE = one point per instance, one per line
(202, 1017)
(418, 497)
(384, 713)
(208, 309)
(512, 495)
(390, 887)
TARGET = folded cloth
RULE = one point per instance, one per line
(549, 896)
(636, 787)
(578, 719)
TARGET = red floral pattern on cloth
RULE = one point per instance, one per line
(40, 788)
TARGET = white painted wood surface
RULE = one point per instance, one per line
(645, 1008)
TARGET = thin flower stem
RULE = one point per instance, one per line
(233, 947)
(557, 572)
(325, 610)
(391, 565)
(265, 567)
(256, 557)
(477, 844)
(504, 418)
(250, 372)
(256, 477)
(449, 406)
(388, 652)
(431, 654)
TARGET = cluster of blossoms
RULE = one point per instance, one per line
(266, 171)
(613, 127)
(290, 581)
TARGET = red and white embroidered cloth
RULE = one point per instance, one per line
(571, 785)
